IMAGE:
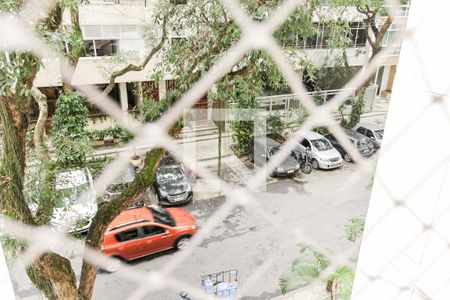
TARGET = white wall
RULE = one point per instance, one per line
(405, 248)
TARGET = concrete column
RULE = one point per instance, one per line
(384, 78)
(124, 99)
(162, 89)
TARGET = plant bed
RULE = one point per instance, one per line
(109, 140)
(233, 148)
(97, 143)
(277, 137)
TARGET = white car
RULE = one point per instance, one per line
(321, 152)
(77, 204)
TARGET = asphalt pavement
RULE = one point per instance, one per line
(316, 204)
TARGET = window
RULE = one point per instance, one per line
(150, 89)
(311, 42)
(370, 134)
(357, 34)
(162, 216)
(95, 48)
(331, 138)
(322, 144)
(306, 144)
(361, 130)
(153, 230)
(127, 235)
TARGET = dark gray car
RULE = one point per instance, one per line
(172, 184)
(264, 148)
(372, 131)
(120, 185)
(362, 143)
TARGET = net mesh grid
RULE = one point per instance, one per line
(17, 34)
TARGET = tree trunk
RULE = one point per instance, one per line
(54, 276)
(14, 124)
(39, 129)
(108, 211)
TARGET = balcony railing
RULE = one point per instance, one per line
(129, 2)
(402, 11)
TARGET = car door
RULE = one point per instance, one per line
(155, 238)
(307, 145)
(335, 143)
(129, 245)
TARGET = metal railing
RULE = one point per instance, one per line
(132, 2)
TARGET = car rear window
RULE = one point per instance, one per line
(127, 235)
(162, 216)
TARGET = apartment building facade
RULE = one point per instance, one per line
(115, 26)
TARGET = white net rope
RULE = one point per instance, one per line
(16, 33)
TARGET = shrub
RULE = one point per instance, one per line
(275, 124)
(68, 130)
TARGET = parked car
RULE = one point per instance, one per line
(146, 230)
(264, 148)
(120, 185)
(361, 143)
(321, 152)
(73, 212)
(372, 131)
(172, 184)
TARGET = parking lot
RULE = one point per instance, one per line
(314, 203)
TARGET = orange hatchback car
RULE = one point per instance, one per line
(141, 231)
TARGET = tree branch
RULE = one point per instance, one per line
(382, 32)
(39, 129)
(137, 68)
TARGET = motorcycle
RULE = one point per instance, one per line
(303, 160)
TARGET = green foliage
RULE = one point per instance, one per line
(97, 165)
(304, 269)
(152, 110)
(343, 279)
(354, 228)
(320, 98)
(68, 130)
(11, 247)
(125, 136)
(275, 124)
(321, 130)
(15, 70)
(101, 134)
(245, 92)
(308, 266)
(357, 108)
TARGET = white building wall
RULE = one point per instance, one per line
(405, 249)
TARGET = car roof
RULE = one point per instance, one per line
(131, 216)
(370, 126)
(267, 140)
(71, 178)
(355, 135)
(311, 135)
